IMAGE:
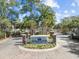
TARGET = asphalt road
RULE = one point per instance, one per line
(67, 50)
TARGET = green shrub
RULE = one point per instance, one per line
(2, 34)
(8, 34)
(16, 34)
(39, 46)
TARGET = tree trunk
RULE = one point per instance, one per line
(5, 35)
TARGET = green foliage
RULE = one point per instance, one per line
(5, 25)
(69, 22)
(2, 34)
(16, 34)
(47, 15)
(57, 26)
(48, 23)
(29, 24)
(5, 22)
(4, 5)
(16, 23)
(33, 1)
(39, 46)
(28, 7)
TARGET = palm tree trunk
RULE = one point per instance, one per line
(5, 35)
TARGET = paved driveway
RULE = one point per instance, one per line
(68, 50)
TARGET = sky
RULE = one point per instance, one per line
(64, 8)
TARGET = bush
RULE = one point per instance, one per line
(8, 34)
(16, 34)
(2, 34)
(39, 46)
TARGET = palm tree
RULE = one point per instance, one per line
(47, 16)
(5, 25)
(4, 22)
(29, 24)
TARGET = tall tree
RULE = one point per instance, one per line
(70, 22)
(47, 16)
(4, 22)
(4, 4)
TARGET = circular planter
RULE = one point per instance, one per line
(38, 50)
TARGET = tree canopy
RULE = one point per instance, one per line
(68, 23)
(46, 13)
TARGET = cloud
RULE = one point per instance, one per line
(58, 14)
(65, 11)
(73, 4)
(66, 15)
(73, 11)
(62, 15)
(58, 17)
(52, 3)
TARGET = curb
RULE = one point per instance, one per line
(38, 50)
